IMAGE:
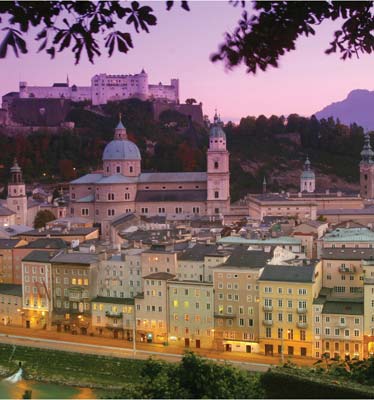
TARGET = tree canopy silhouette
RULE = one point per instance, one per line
(264, 33)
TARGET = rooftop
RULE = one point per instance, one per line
(285, 240)
(11, 289)
(8, 243)
(164, 276)
(47, 243)
(349, 235)
(40, 256)
(171, 195)
(75, 258)
(198, 252)
(242, 257)
(344, 306)
(113, 300)
(347, 254)
(286, 273)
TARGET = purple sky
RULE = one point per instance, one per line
(180, 46)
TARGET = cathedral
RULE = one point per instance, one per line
(121, 187)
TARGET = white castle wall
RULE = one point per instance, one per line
(106, 88)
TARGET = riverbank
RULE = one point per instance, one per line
(71, 369)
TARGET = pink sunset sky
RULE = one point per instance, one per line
(180, 46)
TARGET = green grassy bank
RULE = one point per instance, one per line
(72, 369)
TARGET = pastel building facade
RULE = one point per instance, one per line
(191, 314)
(122, 188)
(120, 276)
(113, 316)
(286, 295)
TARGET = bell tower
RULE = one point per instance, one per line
(307, 178)
(367, 170)
(218, 184)
(17, 199)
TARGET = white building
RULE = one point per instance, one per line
(105, 88)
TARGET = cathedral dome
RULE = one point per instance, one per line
(121, 150)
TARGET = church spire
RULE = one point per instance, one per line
(367, 153)
(120, 131)
(16, 172)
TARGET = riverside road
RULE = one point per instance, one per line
(120, 348)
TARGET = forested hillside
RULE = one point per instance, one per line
(271, 147)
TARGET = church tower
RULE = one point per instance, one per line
(307, 178)
(367, 170)
(218, 180)
(17, 199)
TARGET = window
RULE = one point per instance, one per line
(178, 210)
(302, 292)
(268, 332)
(290, 334)
(302, 335)
(216, 195)
(110, 212)
(110, 196)
(127, 196)
(144, 210)
(118, 169)
(84, 211)
(216, 164)
(356, 332)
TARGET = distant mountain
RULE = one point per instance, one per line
(357, 107)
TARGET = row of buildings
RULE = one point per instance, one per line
(247, 295)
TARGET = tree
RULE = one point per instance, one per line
(42, 218)
(191, 101)
(195, 378)
(258, 41)
(261, 40)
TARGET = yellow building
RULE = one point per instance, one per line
(236, 300)
(286, 295)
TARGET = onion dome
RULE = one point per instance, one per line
(367, 153)
(307, 173)
(121, 148)
(216, 130)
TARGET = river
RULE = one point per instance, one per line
(43, 390)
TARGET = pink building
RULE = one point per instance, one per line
(121, 187)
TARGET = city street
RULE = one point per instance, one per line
(120, 348)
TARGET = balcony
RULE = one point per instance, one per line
(302, 325)
(267, 308)
(78, 294)
(347, 270)
(302, 310)
(222, 315)
(112, 314)
(268, 322)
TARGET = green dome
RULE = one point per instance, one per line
(308, 175)
(216, 130)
